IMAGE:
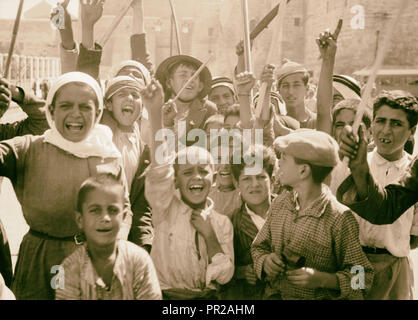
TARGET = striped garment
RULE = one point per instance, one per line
(134, 276)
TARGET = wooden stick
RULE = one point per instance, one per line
(390, 26)
(115, 24)
(14, 36)
(193, 77)
(173, 13)
(247, 44)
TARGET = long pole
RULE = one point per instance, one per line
(390, 26)
(14, 36)
(115, 24)
(173, 13)
(247, 45)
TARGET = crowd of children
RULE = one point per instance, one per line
(148, 188)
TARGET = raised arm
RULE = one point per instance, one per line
(244, 84)
(138, 39)
(90, 52)
(327, 44)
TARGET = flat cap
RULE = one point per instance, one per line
(315, 147)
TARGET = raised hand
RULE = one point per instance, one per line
(244, 83)
(327, 42)
(204, 227)
(268, 74)
(153, 97)
(91, 11)
(169, 113)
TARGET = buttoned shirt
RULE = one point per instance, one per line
(134, 276)
(257, 220)
(179, 252)
(325, 234)
(394, 237)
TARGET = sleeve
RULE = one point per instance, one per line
(70, 270)
(127, 221)
(261, 246)
(221, 269)
(140, 51)
(382, 205)
(355, 272)
(12, 153)
(89, 60)
(68, 59)
(159, 190)
(146, 284)
(35, 123)
(6, 269)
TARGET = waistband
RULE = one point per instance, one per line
(76, 238)
(375, 250)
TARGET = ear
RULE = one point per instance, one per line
(304, 171)
(79, 220)
(108, 104)
(201, 86)
(51, 109)
(176, 182)
(168, 83)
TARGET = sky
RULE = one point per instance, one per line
(8, 8)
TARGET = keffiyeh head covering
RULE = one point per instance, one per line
(141, 68)
(98, 142)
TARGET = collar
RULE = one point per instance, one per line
(398, 164)
(317, 207)
(204, 213)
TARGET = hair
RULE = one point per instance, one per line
(95, 183)
(318, 173)
(269, 161)
(398, 99)
(187, 64)
(233, 110)
(184, 153)
(216, 118)
(80, 84)
(305, 78)
(351, 104)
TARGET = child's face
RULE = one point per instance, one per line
(231, 122)
(74, 112)
(102, 215)
(293, 90)
(194, 182)
(224, 175)
(179, 78)
(126, 106)
(255, 189)
(288, 172)
(223, 97)
(344, 117)
(390, 129)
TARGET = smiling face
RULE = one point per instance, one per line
(293, 90)
(74, 111)
(178, 78)
(390, 129)
(126, 106)
(223, 97)
(194, 182)
(254, 189)
(102, 215)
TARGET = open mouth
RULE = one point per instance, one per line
(224, 173)
(385, 141)
(196, 188)
(127, 110)
(103, 230)
(74, 126)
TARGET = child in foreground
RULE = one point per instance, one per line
(309, 246)
(193, 244)
(104, 268)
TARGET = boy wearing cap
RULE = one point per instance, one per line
(309, 246)
(192, 105)
(222, 93)
(292, 82)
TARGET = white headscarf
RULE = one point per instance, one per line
(98, 142)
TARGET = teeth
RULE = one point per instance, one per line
(224, 173)
(76, 126)
(383, 140)
(194, 187)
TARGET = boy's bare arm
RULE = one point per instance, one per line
(327, 44)
(90, 14)
(244, 84)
